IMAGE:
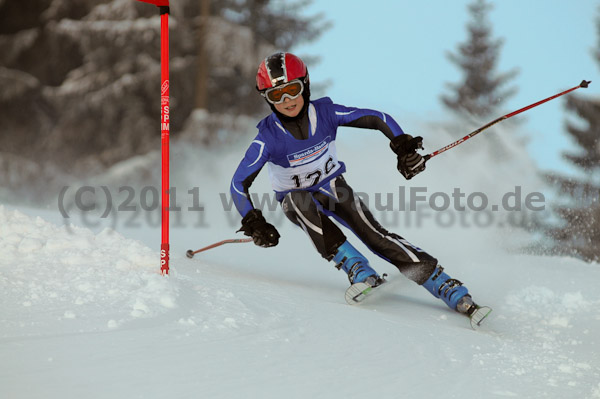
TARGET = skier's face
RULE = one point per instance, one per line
(290, 108)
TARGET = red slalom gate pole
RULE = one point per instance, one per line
(163, 6)
(164, 137)
(584, 84)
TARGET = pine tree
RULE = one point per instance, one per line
(578, 231)
(479, 93)
(79, 77)
(272, 26)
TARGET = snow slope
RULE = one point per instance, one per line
(85, 313)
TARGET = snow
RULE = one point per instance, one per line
(81, 276)
(85, 312)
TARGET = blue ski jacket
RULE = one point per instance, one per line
(308, 164)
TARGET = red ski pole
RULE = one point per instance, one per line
(190, 254)
(584, 83)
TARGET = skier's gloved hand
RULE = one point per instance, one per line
(254, 225)
(410, 162)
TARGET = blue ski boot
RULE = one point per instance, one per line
(355, 265)
(451, 291)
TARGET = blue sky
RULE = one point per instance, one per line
(391, 55)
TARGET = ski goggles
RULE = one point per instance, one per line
(291, 90)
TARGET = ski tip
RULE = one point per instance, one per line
(479, 316)
(356, 293)
(585, 83)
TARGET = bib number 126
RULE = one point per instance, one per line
(315, 175)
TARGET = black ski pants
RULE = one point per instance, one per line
(312, 211)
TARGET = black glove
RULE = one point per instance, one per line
(254, 225)
(410, 162)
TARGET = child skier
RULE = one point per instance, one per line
(297, 142)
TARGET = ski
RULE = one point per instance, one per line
(479, 315)
(358, 292)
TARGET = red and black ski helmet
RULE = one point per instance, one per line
(278, 69)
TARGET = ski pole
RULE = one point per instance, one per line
(190, 254)
(584, 83)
